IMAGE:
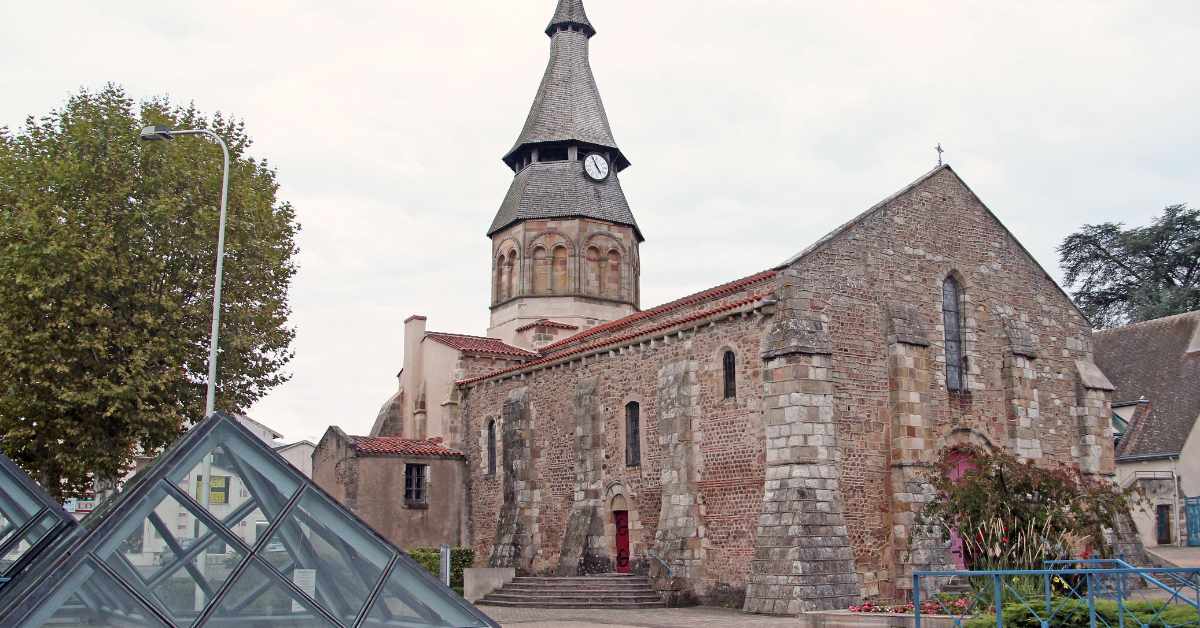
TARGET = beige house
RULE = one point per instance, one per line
(1155, 367)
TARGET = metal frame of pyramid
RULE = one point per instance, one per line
(169, 553)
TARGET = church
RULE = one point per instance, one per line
(764, 439)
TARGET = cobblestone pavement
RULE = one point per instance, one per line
(644, 618)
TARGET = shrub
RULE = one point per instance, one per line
(1073, 613)
(460, 559)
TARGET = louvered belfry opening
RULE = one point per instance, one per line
(218, 531)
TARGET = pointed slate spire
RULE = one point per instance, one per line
(568, 105)
(570, 13)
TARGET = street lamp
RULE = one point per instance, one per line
(157, 133)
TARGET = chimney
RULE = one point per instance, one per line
(414, 333)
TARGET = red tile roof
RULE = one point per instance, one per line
(479, 344)
(666, 308)
(612, 340)
(547, 323)
(395, 446)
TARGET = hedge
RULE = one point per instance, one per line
(460, 559)
(1073, 613)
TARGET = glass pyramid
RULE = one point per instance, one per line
(218, 531)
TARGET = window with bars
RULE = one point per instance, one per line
(633, 434)
(729, 362)
(416, 478)
(952, 321)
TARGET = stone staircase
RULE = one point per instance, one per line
(603, 591)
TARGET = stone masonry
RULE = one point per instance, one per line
(680, 539)
(584, 550)
(803, 559)
(516, 532)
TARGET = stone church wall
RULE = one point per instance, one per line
(877, 287)
(561, 472)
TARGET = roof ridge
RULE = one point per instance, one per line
(1162, 320)
(669, 306)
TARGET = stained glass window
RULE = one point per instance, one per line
(633, 434)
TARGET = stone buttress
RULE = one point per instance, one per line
(516, 532)
(584, 548)
(803, 560)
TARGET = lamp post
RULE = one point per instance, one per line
(156, 133)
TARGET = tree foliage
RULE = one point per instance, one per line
(1014, 514)
(107, 253)
(1121, 276)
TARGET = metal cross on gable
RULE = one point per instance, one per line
(939, 152)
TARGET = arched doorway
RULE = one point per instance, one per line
(959, 462)
(621, 533)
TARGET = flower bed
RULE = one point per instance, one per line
(957, 606)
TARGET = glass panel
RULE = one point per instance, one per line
(90, 598)
(258, 599)
(29, 539)
(328, 554)
(150, 547)
(233, 473)
(412, 598)
(181, 591)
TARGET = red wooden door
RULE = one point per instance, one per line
(621, 519)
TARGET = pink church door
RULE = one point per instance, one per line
(621, 519)
(960, 464)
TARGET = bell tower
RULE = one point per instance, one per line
(564, 242)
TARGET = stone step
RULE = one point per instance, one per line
(524, 597)
(580, 585)
(584, 580)
(547, 604)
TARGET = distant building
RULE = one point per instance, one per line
(1155, 366)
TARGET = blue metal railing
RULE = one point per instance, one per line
(1169, 597)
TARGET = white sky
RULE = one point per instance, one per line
(754, 127)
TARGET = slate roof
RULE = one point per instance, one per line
(559, 189)
(568, 105)
(570, 12)
(396, 446)
(1158, 360)
(479, 344)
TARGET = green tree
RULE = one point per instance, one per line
(107, 251)
(1121, 276)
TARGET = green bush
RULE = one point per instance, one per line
(460, 559)
(1072, 613)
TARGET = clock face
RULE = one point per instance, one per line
(596, 166)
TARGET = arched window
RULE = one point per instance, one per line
(558, 281)
(952, 320)
(729, 362)
(612, 275)
(594, 276)
(501, 283)
(510, 275)
(633, 435)
(491, 447)
(541, 271)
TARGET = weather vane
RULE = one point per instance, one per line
(939, 151)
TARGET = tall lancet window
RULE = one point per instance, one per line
(510, 275)
(633, 434)
(729, 363)
(612, 275)
(491, 447)
(952, 320)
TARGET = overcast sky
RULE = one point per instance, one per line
(754, 127)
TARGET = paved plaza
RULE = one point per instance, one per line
(642, 618)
